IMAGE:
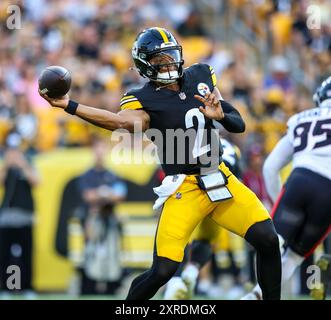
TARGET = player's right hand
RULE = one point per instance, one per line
(56, 102)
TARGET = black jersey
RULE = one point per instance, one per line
(231, 157)
(175, 113)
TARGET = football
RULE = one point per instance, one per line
(55, 81)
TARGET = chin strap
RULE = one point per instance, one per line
(165, 85)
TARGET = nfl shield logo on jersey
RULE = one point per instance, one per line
(203, 88)
(178, 195)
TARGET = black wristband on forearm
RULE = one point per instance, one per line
(72, 107)
(232, 120)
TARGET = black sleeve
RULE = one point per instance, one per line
(232, 120)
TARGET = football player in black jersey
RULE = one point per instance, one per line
(186, 101)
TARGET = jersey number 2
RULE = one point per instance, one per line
(198, 149)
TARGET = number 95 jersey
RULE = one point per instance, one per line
(309, 133)
(182, 134)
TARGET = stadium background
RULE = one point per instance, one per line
(267, 62)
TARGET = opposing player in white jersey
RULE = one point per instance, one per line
(302, 210)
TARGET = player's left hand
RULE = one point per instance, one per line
(212, 107)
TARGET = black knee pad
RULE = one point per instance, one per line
(164, 268)
(262, 236)
(271, 241)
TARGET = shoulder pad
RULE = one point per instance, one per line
(130, 101)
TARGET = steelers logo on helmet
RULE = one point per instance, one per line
(203, 88)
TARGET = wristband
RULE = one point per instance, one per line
(71, 107)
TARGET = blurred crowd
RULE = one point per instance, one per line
(269, 57)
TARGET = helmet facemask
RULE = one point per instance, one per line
(167, 65)
(164, 65)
